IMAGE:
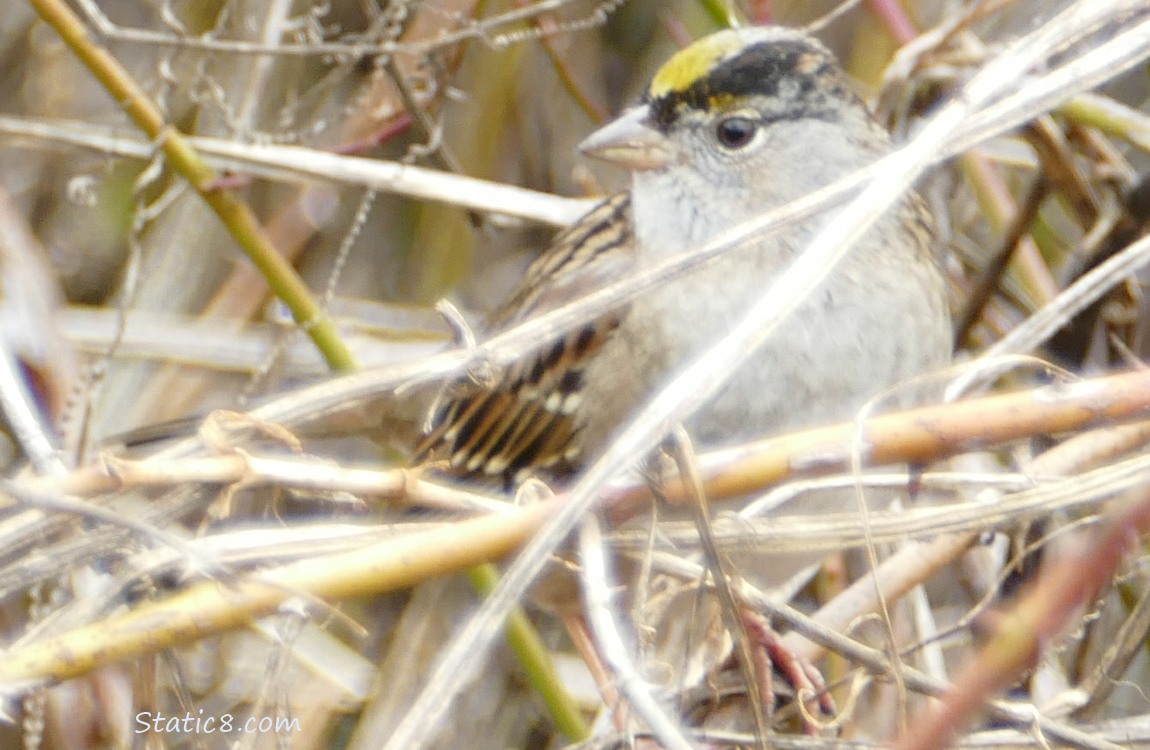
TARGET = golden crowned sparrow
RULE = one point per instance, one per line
(737, 123)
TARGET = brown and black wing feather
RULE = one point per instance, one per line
(526, 418)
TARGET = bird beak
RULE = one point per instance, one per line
(630, 142)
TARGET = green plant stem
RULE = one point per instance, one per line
(290, 288)
(535, 660)
(1110, 116)
(720, 13)
(186, 161)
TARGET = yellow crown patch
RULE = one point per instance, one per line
(693, 62)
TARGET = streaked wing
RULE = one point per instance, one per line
(588, 254)
(526, 417)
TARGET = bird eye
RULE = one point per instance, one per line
(736, 132)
